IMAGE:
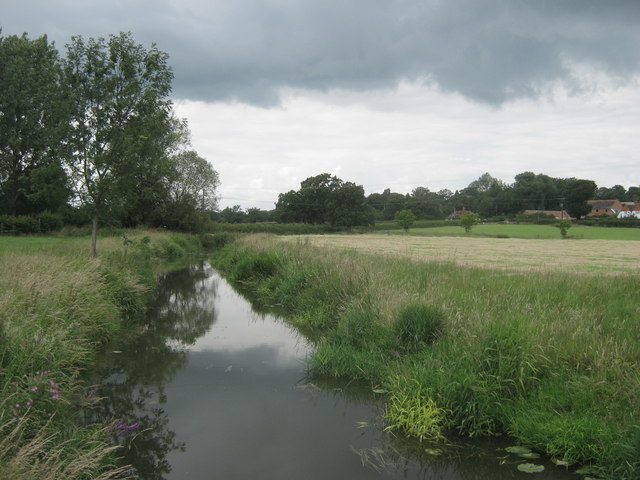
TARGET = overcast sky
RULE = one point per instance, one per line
(385, 93)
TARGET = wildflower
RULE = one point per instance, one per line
(17, 405)
(52, 383)
(29, 402)
(34, 389)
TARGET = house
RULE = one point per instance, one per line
(557, 214)
(604, 207)
(458, 213)
(629, 210)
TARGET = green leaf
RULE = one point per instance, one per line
(518, 449)
(560, 463)
(433, 451)
(379, 390)
(362, 424)
(530, 468)
(529, 455)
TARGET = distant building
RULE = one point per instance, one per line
(458, 213)
(604, 207)
(629, 210)
(557, 214)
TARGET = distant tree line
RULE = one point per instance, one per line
(326, 199)
(92, 136)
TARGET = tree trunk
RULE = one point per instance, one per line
(94, 236)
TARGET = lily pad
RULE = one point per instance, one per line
(585, 470)
(560, 463)
(362, 424)
(529, 455)
(433, 451)
(379, 390)
(530, 468)
(518, 449)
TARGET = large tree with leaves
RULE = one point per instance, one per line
(121, 120)
(325, 198)
(33, 122)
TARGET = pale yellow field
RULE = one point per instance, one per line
(600, 256)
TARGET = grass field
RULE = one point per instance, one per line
(602, 256)
(529, 231)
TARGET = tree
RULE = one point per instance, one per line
(564, 226)
(325, 198)
(33, 122)
(468, 220)
(405, 219)
(121, 116)
(577, 192)
(194, 178)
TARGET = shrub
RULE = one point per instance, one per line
(417, 326)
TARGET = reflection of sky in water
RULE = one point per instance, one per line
(239, 328)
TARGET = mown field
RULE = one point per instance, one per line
(570, 255)
(504, 342)
(529, 231)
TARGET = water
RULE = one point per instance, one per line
(207, 388)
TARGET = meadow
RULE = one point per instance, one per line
(601, 256)
(59, 307)
(514, 230)
(547, 355)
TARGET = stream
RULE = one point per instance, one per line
(208, 388)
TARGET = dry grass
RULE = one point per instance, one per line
(601, 256)
(45, 458)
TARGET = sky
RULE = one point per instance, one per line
(384, 93)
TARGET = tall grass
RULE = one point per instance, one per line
(551, 358)
(58, 307)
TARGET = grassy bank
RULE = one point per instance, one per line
(548, 357)
(58, 308)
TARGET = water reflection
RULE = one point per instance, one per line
(220, 391)
(134, 372)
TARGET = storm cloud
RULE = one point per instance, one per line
(490, 52)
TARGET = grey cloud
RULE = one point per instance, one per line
(491, 51)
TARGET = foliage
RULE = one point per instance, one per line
(325, 199)
(468, 220)
(564, 226)
(405, 219)
(33, 120)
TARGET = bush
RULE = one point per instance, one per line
(417, 326)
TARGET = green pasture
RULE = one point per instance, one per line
(529, 231)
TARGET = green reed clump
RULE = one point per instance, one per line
(417, 326)
(411, 410)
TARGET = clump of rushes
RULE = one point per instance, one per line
(411, 411)
(417, 326)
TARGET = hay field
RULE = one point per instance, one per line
(595, 256)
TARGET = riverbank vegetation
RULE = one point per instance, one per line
(549, 357)
(59, 307)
